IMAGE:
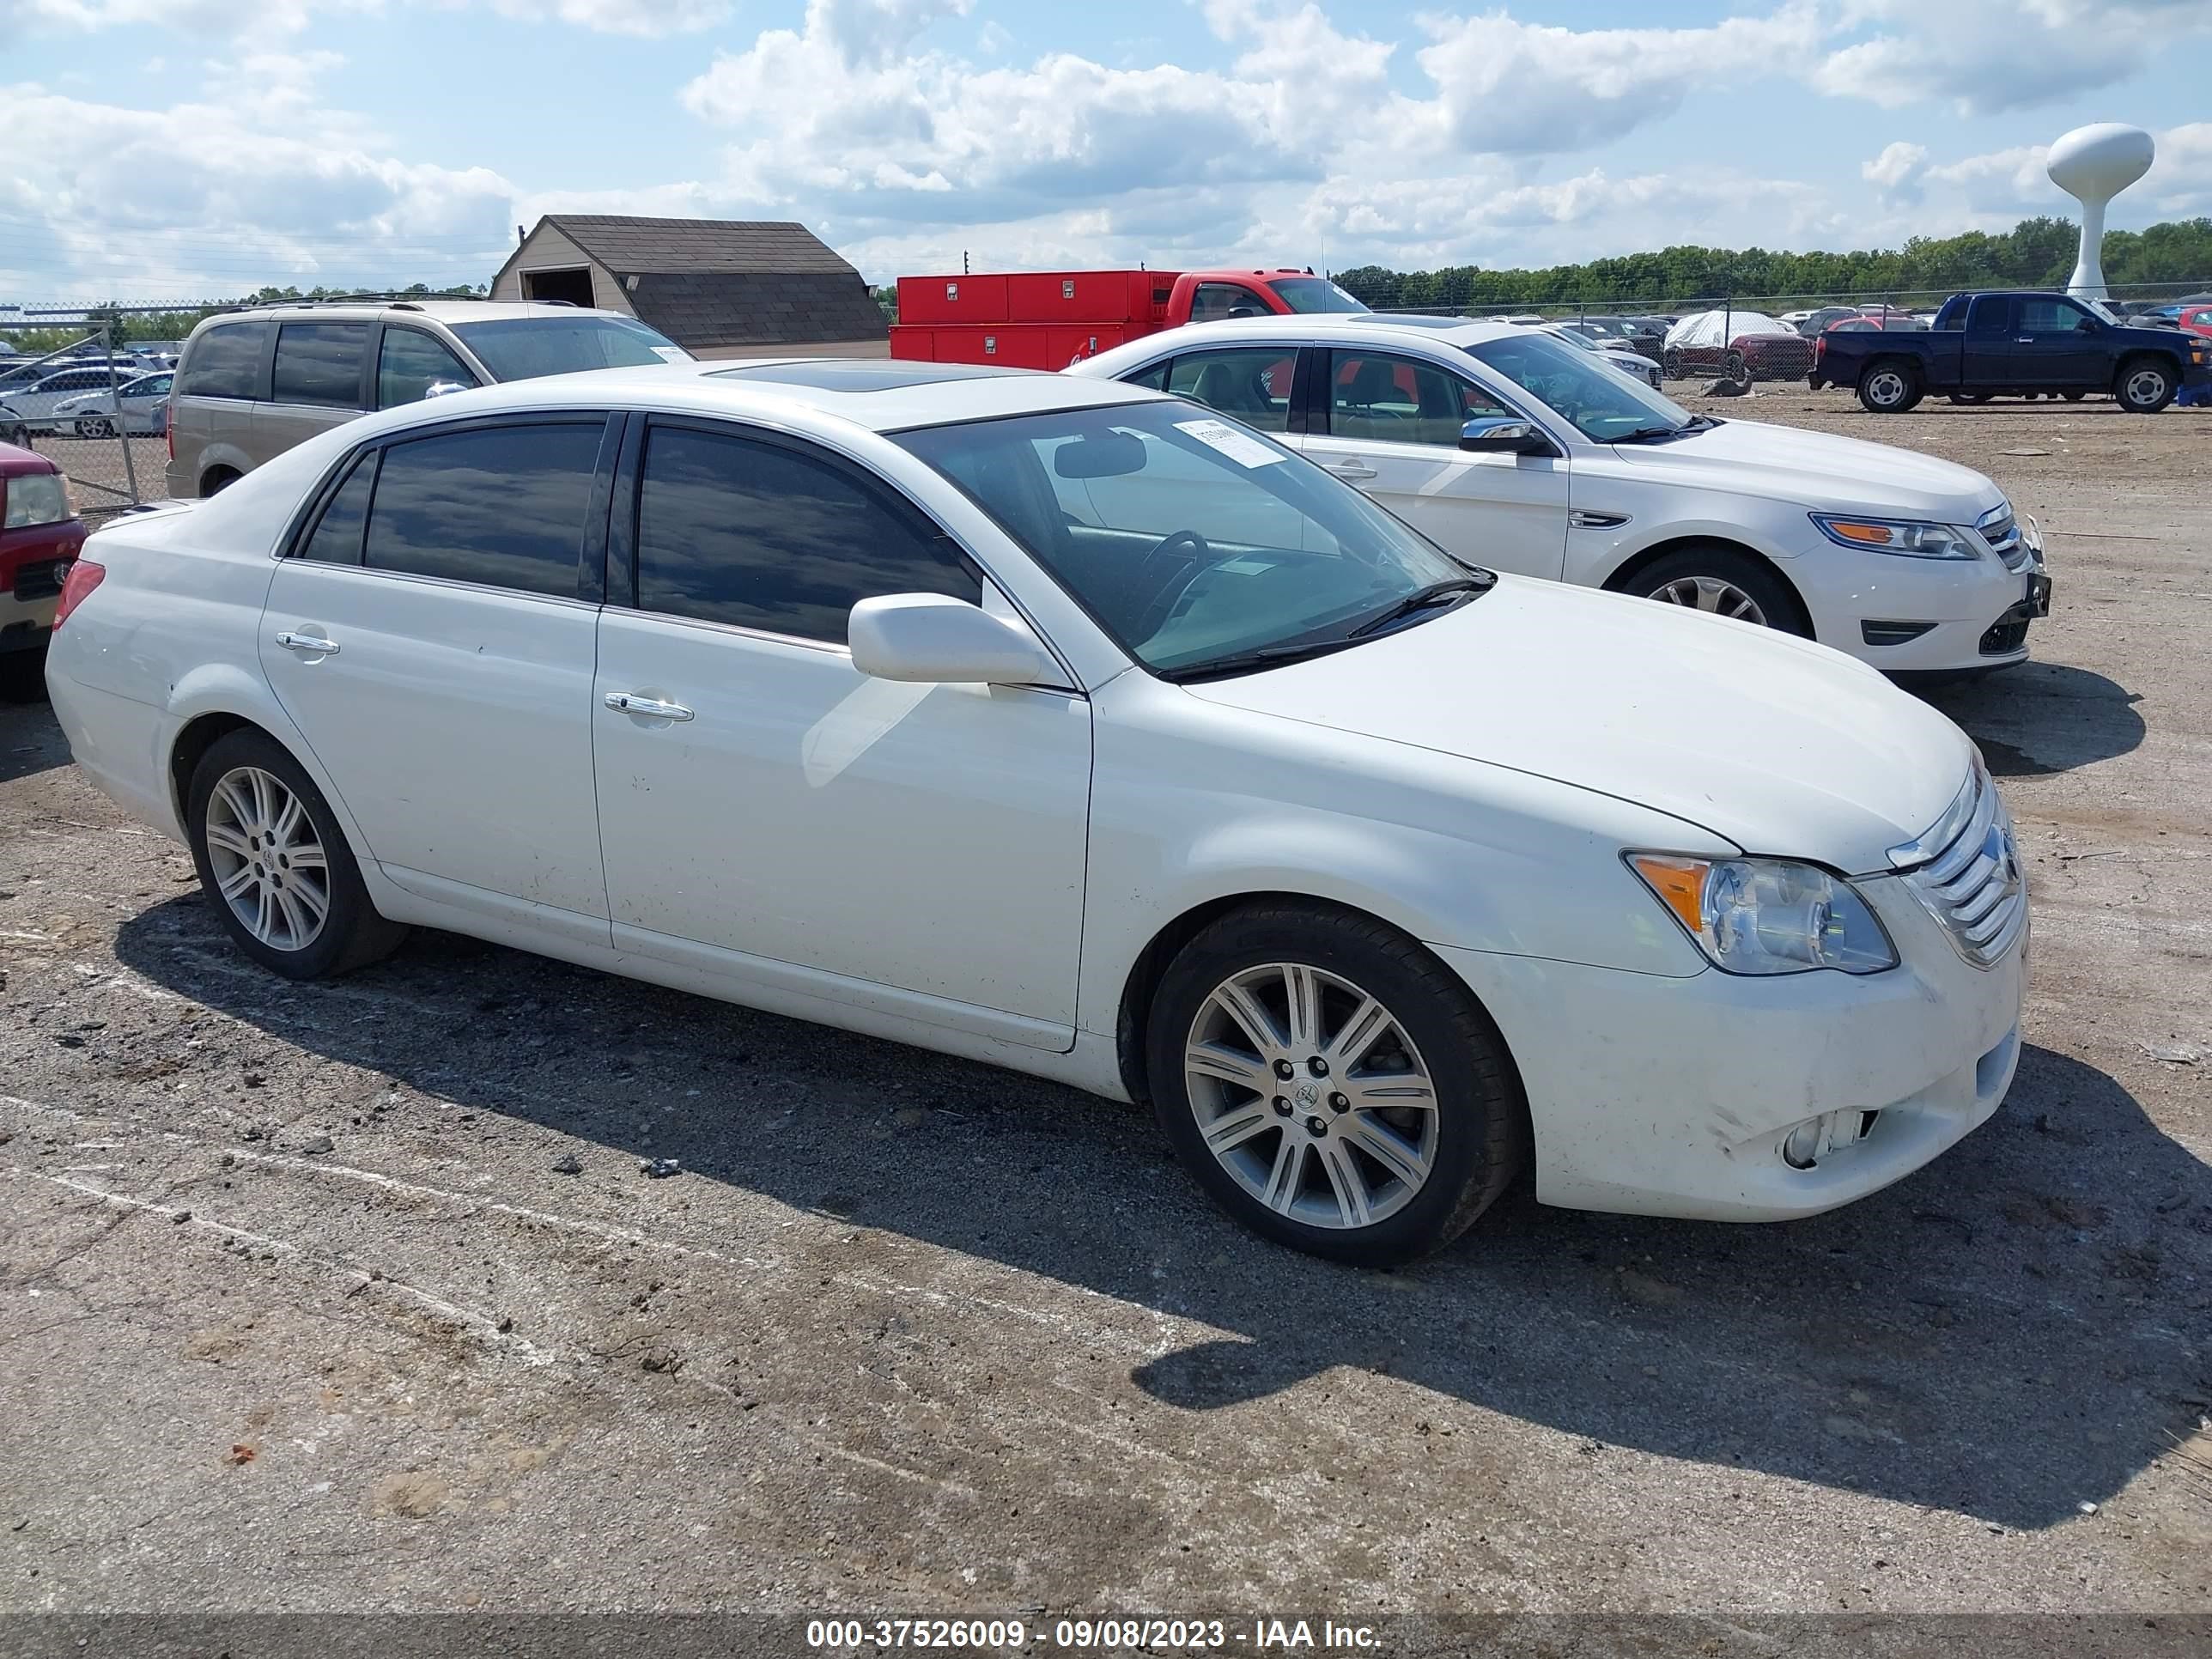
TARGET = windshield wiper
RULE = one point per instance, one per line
(1644, 435)
(1266, 656)
(1422, 597)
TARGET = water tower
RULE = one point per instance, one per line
(2094, 164)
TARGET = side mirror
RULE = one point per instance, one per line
(1237, 311)
(1492, 434)
(939, 640)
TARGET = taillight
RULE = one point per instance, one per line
(169, 429)
(1820, 347)
(83, 576)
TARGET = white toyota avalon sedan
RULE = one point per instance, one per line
(1539, 459)
(1061, 724)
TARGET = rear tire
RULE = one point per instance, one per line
(1671, 365)
(1889, 387)
(1433, 1126)
(1707, 576)
(275, 864)
(217, 480)
(2144, 385)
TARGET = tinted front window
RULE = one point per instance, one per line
(1314, 294)
(319, 363)
(1374, 396)
(733, 531)
(1603, 403)
(1253, 386)
(1189, 539)
(224, 363)
(523, 348)
(2051, 317)
(410, 362)
(337, 537)
(503, 506)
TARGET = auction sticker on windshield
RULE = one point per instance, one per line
(1239, 446)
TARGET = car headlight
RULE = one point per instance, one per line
(1767, 915)
(1915, 538)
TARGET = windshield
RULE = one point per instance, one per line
(1314, 294)
(1580, 342)
(1603, 403)
(1191, 541)
(523, 348)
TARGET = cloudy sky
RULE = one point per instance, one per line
(164, 148)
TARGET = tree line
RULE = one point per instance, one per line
(2033, 253)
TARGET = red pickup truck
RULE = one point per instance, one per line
(1050, 318)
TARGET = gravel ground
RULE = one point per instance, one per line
(354, 1296)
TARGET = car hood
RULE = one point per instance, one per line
(1782, 746)
(1783, 462)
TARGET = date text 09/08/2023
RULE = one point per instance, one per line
(1289, 1635)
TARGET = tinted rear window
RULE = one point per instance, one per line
(523, 348)
(503, 506)
(224, 363)
(319, 363)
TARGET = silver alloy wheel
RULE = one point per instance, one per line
(95, 426)
(1311, 1094)
(2146, 385)
(1711, 594)
(268, 861)
(1886, 386)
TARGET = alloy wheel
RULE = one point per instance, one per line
(1711, 594)
(1311, 1094)
(269, 862)
(2146, 387)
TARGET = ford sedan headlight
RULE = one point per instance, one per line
(1914, 539)
(1767, 915)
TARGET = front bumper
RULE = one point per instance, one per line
(1923, 616)
(1652, 1096)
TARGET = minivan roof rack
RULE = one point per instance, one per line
(410, 300)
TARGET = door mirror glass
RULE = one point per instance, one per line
(934, 638)
(1489, 436)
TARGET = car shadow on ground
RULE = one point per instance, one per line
(30, 739)
(2042, 717)
(2002, 1334)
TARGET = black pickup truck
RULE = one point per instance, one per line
(1999, 345)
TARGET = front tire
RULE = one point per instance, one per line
(1889, 387)
(2144, 385)
(275, 865)
(1332, 1086)
(1671, 365)
(1726, 582)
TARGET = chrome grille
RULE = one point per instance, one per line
(1966, 871)
(2001, 530)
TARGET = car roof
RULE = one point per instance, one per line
(1373, 327)
(875, 394)
(448, 312)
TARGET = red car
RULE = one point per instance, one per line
(2198, 320)
(40, 536)
(1747, 357)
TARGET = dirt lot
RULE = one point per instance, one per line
(296, 1311)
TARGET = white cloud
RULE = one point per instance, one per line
(1990, 55)
(258, 19)
(1503, 86)
(1896, 172)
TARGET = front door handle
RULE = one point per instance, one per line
(646, 709)
(1350, 470)
(308, 645)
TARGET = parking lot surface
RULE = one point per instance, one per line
(300, 1309)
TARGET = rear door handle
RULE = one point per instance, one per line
(648, 708)
(1353, 470)
(308, 645)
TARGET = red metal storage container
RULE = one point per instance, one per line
(1064, 345)
(1011, 345)
(1079, 296)
(952, 300)
(917, 345)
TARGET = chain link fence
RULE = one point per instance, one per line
(96, 407)
(1740, 337)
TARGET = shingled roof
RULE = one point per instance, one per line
(711, 282)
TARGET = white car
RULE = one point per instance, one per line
(1515, 451)
(31, 395)
(145, 400)
(1608, 350)
(1065, 725)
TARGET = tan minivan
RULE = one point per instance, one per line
(253, 383)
